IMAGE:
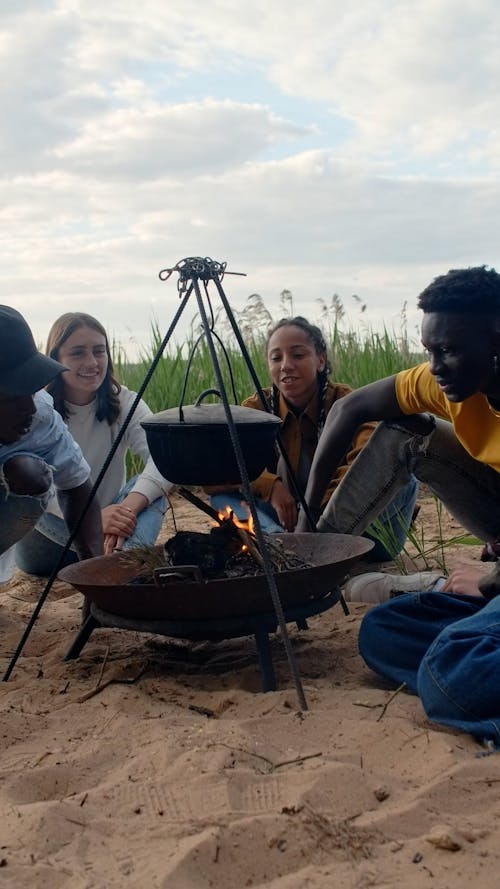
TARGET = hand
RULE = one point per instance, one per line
(303, 524)
(284, 504)
(118, 520)
(113, 543)
(463, 581)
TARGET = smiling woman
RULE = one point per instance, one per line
(94, 405)
(302, 395)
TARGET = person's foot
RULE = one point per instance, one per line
(377, 587)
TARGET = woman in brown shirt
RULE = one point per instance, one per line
(302, 395)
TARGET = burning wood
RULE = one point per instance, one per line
(228, 550)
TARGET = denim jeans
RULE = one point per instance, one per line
(470, 490)
(19, 514)
(394, 520)
(39, 551)
(446, 648)
(235, 500)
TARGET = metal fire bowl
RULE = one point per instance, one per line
(105, 581)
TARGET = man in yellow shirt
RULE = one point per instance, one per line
(443, 646)
(456, 452)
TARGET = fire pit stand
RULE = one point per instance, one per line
(258, 625)
(194, 273)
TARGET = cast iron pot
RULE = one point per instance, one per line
(191, 445)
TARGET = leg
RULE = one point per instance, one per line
(149, 523)
(25, 484)
(37, 554)
(235, 500)
(265, 659)
(82, 637)
(395, 636)
(390, 530)
(468, 488)
(459, 677)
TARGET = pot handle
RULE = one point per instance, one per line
(162, 576)
(204, 395)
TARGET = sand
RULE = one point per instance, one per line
(151, 762)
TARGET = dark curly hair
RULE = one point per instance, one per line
(318, 340)
(473, 290)
(108, 403)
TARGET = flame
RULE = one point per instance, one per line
(228, 514)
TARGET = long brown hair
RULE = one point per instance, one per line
(108, 403)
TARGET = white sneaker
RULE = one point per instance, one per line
(377, 587)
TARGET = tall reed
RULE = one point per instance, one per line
(357, 356)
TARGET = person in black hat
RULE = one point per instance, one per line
(37, 453)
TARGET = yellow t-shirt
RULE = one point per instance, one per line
(476, 424)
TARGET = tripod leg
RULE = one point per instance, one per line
(265, 660)
(81, 638)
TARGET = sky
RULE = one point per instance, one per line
(322, 148)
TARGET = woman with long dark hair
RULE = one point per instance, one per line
(302, 394)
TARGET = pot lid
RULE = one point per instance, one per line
(210, 415)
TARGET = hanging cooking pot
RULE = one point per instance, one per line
(191, 445)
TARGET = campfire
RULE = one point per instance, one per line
(229, 549)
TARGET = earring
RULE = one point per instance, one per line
(495, 365)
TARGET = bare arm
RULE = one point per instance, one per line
(89, 540)
(377, 401)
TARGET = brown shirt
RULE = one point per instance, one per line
(299, 434)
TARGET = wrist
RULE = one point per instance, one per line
(491, 552)
(314, 511)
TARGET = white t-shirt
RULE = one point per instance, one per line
(96, 437)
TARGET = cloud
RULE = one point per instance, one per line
(404, 75)
(128, 147)
(153, 140)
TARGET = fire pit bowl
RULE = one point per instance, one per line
(105, 581)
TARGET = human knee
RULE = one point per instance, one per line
(459, 674)
(27, 475)
(369, 636)
(417, 424)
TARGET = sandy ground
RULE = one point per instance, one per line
(151, 762)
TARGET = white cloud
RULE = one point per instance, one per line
(402, 73)
(152, 141)
(125, 149)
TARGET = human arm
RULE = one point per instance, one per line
(286, 508)
(119, 520)
(150, 483)
(88, 540)
(376, 401)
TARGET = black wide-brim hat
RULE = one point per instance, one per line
(23, 369)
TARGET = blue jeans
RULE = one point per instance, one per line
(394, 520)
(39, 551)
(235, 500)
(446, 649)
(19, 514)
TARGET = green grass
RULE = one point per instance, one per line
(357, 357)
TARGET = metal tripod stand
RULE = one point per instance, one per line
(195, 273)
